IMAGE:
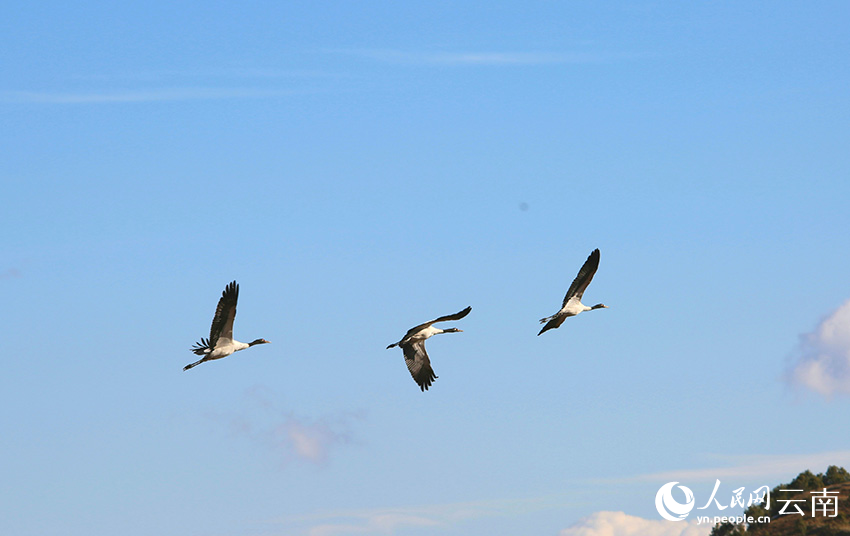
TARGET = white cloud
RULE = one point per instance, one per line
(622, 524)
(288, 434)
(757, 466)
(822, 361)
(309, 440)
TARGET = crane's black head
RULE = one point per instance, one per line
(258, 341)
(599, 306)
(452, 330)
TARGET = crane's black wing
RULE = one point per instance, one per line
(584, 277)
(222, 323)
(419, 364)
(457, 316)
(225, 314)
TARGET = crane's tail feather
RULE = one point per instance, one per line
(202, 348)
(554, 321)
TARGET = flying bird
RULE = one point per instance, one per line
(572, 301)
(221, 342)
(413, 346)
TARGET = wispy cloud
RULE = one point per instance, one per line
(622, 524)
(393, 520)
(165, 85)
(142, 95)
(822, 360)
(757, 466)
(289, 435)
(474, 57)
(390, 520)
(312, 440)
(9, 273)
(151, 86)
(377, 523)
(234, 73)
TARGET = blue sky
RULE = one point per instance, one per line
(361, 167)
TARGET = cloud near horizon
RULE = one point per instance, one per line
(622, 524)
(822, 360)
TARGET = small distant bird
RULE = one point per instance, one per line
(221, 342)
(572, 301)
(413, 346)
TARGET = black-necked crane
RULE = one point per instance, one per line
(221, 342)
(572, 301)
(413, 346)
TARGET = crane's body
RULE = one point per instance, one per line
(572, 305)
(413, 347)
(221, 342)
